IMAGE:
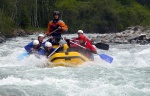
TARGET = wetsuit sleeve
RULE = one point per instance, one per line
(63, 26)
(28, 47)
(49, 28)
(91, 47)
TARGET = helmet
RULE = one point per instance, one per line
(35, 42)
(80, 31)
(142, 34)
(41, 35)
(48, 44)
(56, 13)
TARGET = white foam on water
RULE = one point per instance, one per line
(127, 75)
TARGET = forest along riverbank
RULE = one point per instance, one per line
(137, 34)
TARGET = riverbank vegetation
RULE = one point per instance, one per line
(97, 16)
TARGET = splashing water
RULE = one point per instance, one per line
(128, 75)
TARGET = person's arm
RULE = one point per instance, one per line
(28, 47)
(63, 26)
(49, 28)
(91, 48)
(89, 41)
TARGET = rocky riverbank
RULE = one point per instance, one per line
(134, 35)
(16, 33)
(137, 34)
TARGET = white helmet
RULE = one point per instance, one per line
(80, 31)
(48, 44)
(35, 42)
(142, 34)
(41, 35)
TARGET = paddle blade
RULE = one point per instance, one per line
(102, 46)
(106, 58)
(22, 56)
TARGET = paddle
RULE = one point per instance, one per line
(23, 55)
(106, 58)
(53, 52)
(53, 31)
(50, 34)
(102, 46)
(102, 56)
(26, 54)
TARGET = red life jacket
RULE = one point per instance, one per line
(54, 26)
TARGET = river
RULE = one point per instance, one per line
(127, 75)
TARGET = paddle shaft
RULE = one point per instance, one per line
(78, 45)
(53, 31)
(50, 34)
(53, 52)
(82, 46)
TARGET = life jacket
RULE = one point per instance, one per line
(54, 25)
(84, 39)
(57, 34)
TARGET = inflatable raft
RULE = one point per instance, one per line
(66, 58)
(69, 59)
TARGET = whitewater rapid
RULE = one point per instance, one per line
(127, 75)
